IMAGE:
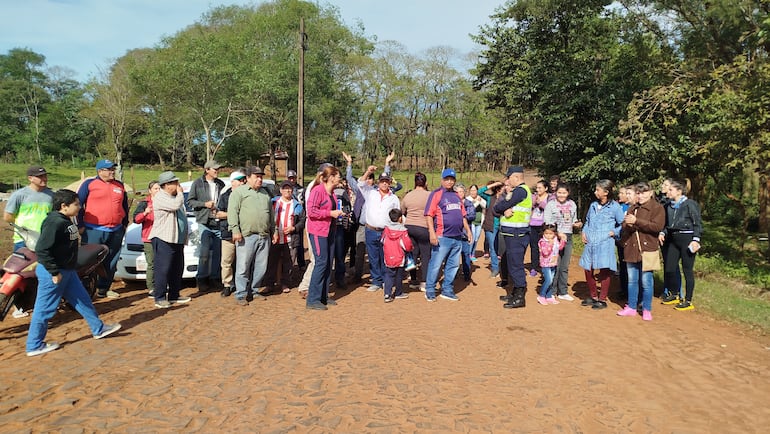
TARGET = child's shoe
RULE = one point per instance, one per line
(542, 300)
(684, 305)
(647, 315)
(627, 311)
(552, 300)
(533, 272)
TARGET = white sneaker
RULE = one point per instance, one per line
(373, 288)
(44, 349)
(180, 300)
(108, 329)
(19, 313)
(565, 297)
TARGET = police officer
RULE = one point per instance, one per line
(515, 209)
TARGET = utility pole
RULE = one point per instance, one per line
(301, 104)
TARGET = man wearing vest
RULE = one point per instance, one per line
(515, 209)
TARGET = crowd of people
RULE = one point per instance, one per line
(252, 237)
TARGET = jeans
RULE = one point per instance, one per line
(448, 249)
(322, 248)
(251, 256)
(547, 289)
(304, 285)
(339, 256)
(169, 266)
(113, 240)
(48, 297)
(209, 254)
(562, 270)
(393, 277)
(634, 268)
(376, 260)
(494, 262)
(476, 230)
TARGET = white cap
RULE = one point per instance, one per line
(236, 175)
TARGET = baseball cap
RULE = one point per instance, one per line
(212, 164)
(255, 170)
(448, 173)
(104, 164)
(286, 184)
(291, 174)
(385, 177)
(36, 171)
(237, 175)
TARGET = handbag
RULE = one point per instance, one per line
(650, 260)
(410, 264)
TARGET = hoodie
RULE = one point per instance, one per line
(395, 241)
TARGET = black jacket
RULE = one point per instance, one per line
(57, 247)
(199, 195)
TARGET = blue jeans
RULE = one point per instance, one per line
(168, 267)
(634, 268)
(476, 229)
(376, 260)
(113, 240)
(448, 249)
(494, 263)
(322, 249)
(394, 277)
(209, 254)
(547, 289)
(251, 255)
(48, 297)
(339, 255)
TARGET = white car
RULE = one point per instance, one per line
(132, 264)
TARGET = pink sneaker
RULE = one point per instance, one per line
(542, 300)
(647, 315)
(627, 311)
(552, 300)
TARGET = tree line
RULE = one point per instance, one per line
(626, 90)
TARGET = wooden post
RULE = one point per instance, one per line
(301, 103)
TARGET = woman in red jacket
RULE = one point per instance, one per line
(145, 216)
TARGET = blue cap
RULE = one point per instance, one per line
(514, 169)
(104, 164)
(448, 173)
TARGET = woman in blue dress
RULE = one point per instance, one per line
(602, 227)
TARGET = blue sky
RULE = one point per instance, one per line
(87, 35)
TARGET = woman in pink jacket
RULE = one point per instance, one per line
(321, 212)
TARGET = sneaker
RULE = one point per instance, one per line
(502, 283)
(181, 300)
(19, 313)
(163, 304)
(669, 298)
(627, 311)
(599, 305)
(47, 347)
(429, 298)
(552, 300)
(226, 291)
(241, 302)
(588, 302)
(316, 306)
(541, 300)
(422, 286)
(388, 299)
(108, 294)
(565, 297)
(401, 296)
(331, 302)
(486, 255)
(474, 259)
(373, 288)
(108, 329)
(647, 315)
(684, 305)
(449, 297)
(414, 285)
(285, 289)
(494, 274)
(533, 272)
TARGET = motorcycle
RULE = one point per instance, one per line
(18, 284)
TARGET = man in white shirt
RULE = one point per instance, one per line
(379, 200)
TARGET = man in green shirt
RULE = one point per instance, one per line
(29, 206)
(250, 219)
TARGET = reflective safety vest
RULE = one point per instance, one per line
(521, 212)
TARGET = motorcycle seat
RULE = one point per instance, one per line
(91, 254)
